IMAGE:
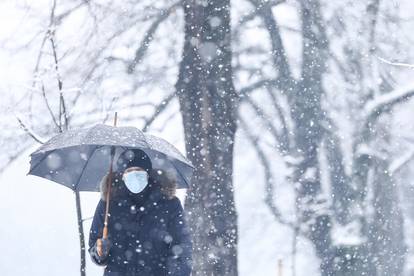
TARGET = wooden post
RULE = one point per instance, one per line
(280, 267)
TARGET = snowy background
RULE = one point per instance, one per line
(38, 232)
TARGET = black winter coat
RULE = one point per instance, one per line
(148, 237)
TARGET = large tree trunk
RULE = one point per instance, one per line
(385, 227)
(208, 104)
(386, 233)
(307, 116)
(342, 192)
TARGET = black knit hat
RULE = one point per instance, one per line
(134, 158)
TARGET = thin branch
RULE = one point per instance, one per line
(53, 21)
(48, 106)
(268, 122)
(62, 105)
(140, 52)
(279, 57)
(399, 163)
(372, 12)
(285, 136)
(341, 67)
(29, 132)
(98, 58)
(407, 65)
(13, 157)
(243, 92)
(248, 17)
(166, 122)
(252, 15)
(158, 110)
(269, 178)
(385, 102)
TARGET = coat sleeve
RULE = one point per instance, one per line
(179, 262)
(96, 233)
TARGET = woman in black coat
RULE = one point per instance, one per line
(147, 231)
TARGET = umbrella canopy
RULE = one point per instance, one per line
(78, 159)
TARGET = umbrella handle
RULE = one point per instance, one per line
(105, 232)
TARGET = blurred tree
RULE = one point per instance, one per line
(305, 135)
(208, 104)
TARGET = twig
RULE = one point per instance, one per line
(48, 106)
(407, 65)
(385, 102)
(158, 110)
(243, 92)
(140, 52)
(13, 157)
(166, 121)
(268, 122)
(398, 164)
(62, 105)
(29, 132)
(253, 14)
(269, 178)
(278, 53)
(284, 136)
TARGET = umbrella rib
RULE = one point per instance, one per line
(84, 167)
(188, 184)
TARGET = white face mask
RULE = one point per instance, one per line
(135, 181)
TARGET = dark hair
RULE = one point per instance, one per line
(165, 181)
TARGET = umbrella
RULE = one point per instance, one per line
(78, 159)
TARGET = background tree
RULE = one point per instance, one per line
(208, 104)
(310, 127)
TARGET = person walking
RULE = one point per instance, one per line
(147, 230)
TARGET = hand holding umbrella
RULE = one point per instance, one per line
(103, 246)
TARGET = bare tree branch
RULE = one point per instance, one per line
(399, 163)
(140, 52)
(269, 178)
(385, 102)
(11, 158)
(158, 110)
(166, 121)
(278, 50)
(253, 14)
(29, 132)
(243, 92)
(284, 136)
(265, 117)
(62, 105)
(48, 106)
(400, 64)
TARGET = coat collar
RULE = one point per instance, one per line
(140, 208)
